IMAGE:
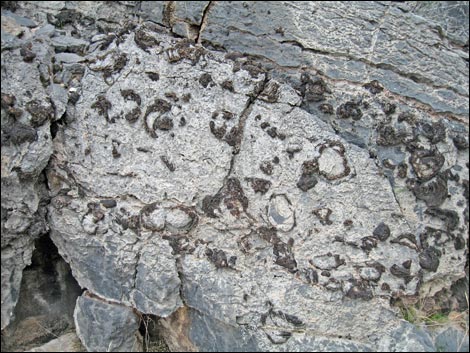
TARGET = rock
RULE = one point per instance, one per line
(47, 30)
(68, 44)
(217, 182)
(288, 44)
(153, 11)
(450, 339)
(109, 203)
(65, 343)
(175, 329)
(68, 58)
(157, 285)
(201, 326)
(240, 337)
(33, 331)
(20, 21)
(14, 260)
(155, 231)
(382, 231)
(281, 214)
(59, 97)
(452, 18)
(407, 338)
(26, 149)
(103, 326)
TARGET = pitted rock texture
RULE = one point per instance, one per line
(259, 184)
(26, 114)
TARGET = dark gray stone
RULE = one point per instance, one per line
(451, 17)
(407, 338)
(451, 339)
(106, 327)
(152, 11)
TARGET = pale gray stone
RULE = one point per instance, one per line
(68, 44)
(21, 21)
(59, 97)
(26, 150)
(68, 58)
(152, 10)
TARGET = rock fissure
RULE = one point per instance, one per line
(204, 19)
(136, 270)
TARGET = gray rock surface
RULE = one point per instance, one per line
(451, 18)
(451, 339)
(65, 343)
(106, 327)
(260, 184)
(407, 338)
(360, 43)
(26, 148)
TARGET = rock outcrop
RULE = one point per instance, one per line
(262, 176)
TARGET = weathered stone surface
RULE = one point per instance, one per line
(65, 343)
(103, 326)
(227, 190)
(21, 21)
(382, 41)
(26, 149)
(68, 44)
(451, 17)
(450, 339)
(153, 11)
(407, 338)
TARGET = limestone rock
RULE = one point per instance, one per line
(229, 241)
(451, 339)
(375, 49)
(103, 326)
(407, 338)
(26, 149)
(257, 183)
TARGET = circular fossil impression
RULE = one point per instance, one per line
(281, 213)
(332, 163)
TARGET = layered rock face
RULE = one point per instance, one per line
(262, 176)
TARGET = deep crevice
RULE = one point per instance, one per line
(241, 126)
(47, 297)
(203, 23)
(153, 341)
